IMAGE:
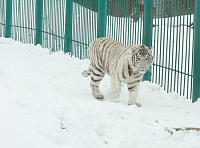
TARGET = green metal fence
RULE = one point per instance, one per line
(125, 21)
(84, 26)
(22, 14)
(173, 38)
(2, 17)
(53, 26)
(71, 25)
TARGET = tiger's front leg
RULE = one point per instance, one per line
(133, 93)
(115, 88)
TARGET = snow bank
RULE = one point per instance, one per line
(45, 102)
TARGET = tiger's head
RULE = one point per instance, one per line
(141, 58)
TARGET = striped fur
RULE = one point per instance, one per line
(125, 64)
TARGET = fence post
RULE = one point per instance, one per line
(68, 26)
(39, 20)
(147, 34)
(8, 18)
(196, 60)
(101, 20)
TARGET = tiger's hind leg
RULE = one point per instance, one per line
(96, 77)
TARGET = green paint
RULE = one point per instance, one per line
(101, 20)
(39, 20)
(8, 18)
(148, 25)
(68, 26)
(196, 71)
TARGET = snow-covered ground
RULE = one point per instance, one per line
(46, 103)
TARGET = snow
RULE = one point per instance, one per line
(45, 102)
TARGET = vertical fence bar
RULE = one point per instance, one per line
(102, 13)
(148, 25)
(68, 26)
(196, 72)
(8, 18)
(39, 20)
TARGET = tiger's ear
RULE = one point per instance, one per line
(150, 49)
(131, 50)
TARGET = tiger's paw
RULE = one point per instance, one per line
(137, 104)
(113, 95)
(99, 96)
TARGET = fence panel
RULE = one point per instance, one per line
(2, 17)
(53, 29)
(84, 28)
(23, 21)
(173, 43)
(125, 21)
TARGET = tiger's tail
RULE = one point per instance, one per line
(86, 73)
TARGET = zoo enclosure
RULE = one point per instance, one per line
(70, 25)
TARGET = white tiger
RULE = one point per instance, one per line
(125, 64)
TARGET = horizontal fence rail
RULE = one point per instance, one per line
(71, 25)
